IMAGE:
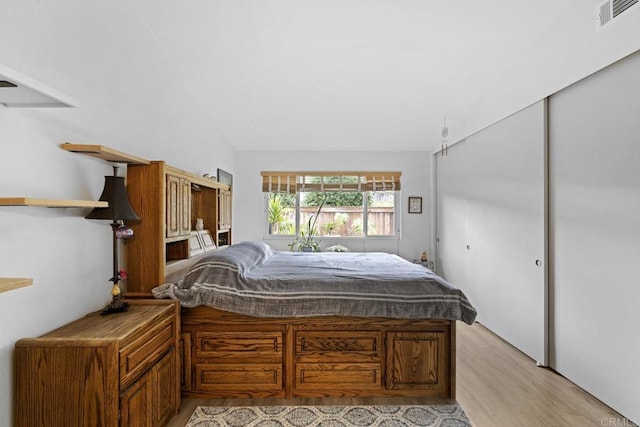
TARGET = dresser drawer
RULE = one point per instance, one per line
(336, 346)
(139, 355)
(227, 347)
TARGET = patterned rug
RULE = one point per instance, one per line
(329, 416)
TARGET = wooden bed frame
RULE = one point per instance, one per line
(229, 355)
(226, 355)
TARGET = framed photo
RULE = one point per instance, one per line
(207, 241)
(415, 205)
(195, 244)
(225, 177)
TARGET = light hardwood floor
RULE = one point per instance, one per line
(497, 386)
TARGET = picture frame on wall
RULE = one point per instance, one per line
(415, 205)
(225, 177)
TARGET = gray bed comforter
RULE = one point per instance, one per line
(250, 278)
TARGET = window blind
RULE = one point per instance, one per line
(291, 182)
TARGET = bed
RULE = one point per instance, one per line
(264, 323)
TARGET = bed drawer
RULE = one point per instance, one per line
(256, 378)
(225, 347)
(337, 377)
(337, 346)
(142, 353)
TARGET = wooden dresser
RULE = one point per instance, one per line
(115, 370)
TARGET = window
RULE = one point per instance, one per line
(339, 204)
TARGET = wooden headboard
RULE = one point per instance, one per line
(169, 201)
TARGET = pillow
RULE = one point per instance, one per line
(242, 256)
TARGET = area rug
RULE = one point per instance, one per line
(329, 416)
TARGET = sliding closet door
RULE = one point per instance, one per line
(452, 218)
(595, 227)
(490, 192)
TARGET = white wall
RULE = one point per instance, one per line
(595, 214)
(68, 257)
(567, 49)
(416, 172)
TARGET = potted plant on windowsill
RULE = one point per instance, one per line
(306, 241)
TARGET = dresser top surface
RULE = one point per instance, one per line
(115, 326)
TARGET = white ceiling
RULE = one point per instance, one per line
(299, 74)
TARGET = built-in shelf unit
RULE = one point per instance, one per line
(169, 202)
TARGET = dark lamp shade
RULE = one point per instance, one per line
(115, 194)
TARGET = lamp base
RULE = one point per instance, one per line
(115, 306)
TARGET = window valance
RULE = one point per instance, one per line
(291, 182)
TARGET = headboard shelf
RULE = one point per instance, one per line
(169, 205)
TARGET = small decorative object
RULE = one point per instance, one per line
(206, 239)
(225, 177)
(118, 211)
(123, 232)
(425, 263)
(423, 256)
(415, 205)
(195, 244)
(199, 224)
(337, 248)
(445, 133)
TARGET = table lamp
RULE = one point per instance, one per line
(119, 210)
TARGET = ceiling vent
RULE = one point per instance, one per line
(611, 9)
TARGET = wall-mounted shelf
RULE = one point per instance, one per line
(104, 153)
(51, 203)
(11, 283)
(18, 90)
